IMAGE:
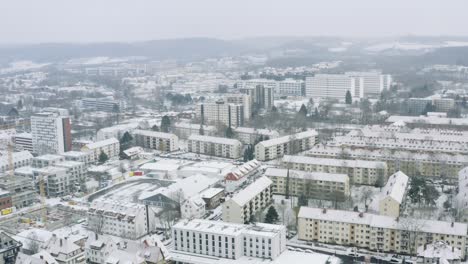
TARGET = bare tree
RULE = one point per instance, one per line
(33, 243)
(366, 196)
(410, 232)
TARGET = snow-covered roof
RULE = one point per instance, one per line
(316, 176)
(211, 192)
(17, 157)
(395, 187)
(439, 250)
(243, 170)
(216, 140)
(335, 162)
(245, 195)
(155, 134)
(102, 143)
(286, 139)
(431, 120)
(251, 130)
(383, 221)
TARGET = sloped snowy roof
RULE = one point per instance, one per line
(318, 176)
(395, 187)
(247, 194)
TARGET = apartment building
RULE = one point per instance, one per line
(332, 86)
(221, 112)
(215, 146)
(51, 133)
(376, 232)
(241, 174)
(57, 181)
(241, 99)
(21, 189)
(9, 248)
(165, 142)
(313, 185)
(185, 130)
(19, 159)
(392, 195)
(359, 171)
(86, 157)
(116, 131)
(102, 104)
(77, 171)
(290, 87)
(402, 138)
(248, 135)
(111, 147)
(260, 90)
(370, 84)
(126, 220)
(427, 164)
(46, 160)
(430, 122)
(242, 206)
(228, 240)
(23, 141)
(65, 250)
(292, 144)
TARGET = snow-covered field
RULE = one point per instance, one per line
(24, 65)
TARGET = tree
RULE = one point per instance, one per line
(248, 154)
(103, 157)
(201, 131)
(302, 111)
(19, 104)
(271, 216)
(165, 124)
(349, 98)
(229, 132)
(366, 196)
(155, 128)
(302, 200)
(33, 243)
(428, 108)
(252, 219)
(287, 185)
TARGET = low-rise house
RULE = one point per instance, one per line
(9, 248)
(439, 252)
(64, 250)
(240, 174)
(392, 195)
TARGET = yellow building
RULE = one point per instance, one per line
(376, 232)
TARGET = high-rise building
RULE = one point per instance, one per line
(372, 83)
(261, 92)
(51, 133)
(243, 99)
(221, 112)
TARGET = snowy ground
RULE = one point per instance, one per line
(130, 191)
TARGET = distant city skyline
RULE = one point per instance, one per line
(28, 21)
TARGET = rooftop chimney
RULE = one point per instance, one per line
(453, 223)
(324, 210)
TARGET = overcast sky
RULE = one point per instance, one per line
(34, 21)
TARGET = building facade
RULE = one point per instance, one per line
(220, 112)
(51, 133)
(215, 146)
(292, 144)
(165, 142)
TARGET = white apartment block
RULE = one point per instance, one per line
(427, 164)
(241, 99)
(185, 130)
(240, 207)
(126, 220)
(290, 87)
(332, 86)
(46, 160)
(376, 232)
(359, 171)
(111, 147)
(51, 133)
(23, 141)
(392, 195)
(292, 144)
(261, 91)
(248, 135)
(165, 142)
(228, 240)
(215, 146)
(402, 138)
(116, 131)
(77, 171)
(372, 83)
(314, 185)
(19, 159)
(57, 181)
(221, 112)
(86, 157)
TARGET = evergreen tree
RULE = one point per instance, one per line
(165, 124)
(19, 104)
(287, 185)
(349, 98)
(155, 128)
(229, 132)
(103, 157)
(201, 131)
(303, 111)
(272, 215)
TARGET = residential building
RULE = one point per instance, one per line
(372, 83)
(392, 195)
(105, 104)
(23, 141)
(430, 122)
(359, 171)
(185, 130)
(118, 218)
(261, 92)
(242, 207)
(427, 164)
(290, 87)
(439, 252)
(240, 174)
(46, 160)
(165, 142)
(5, 202)
(220, 112)
(418, 105)
(193, 208)
(116, 131)
(334, 86)
(111, 147)
(9, 248)
(212, 197)
(241, 99)
(292, 144)
(51, 133)
(377, 232)
(215, 146)
(57, 181)
(77, 171)
(21, 189)
(86, 157)
(228, 240)
(64, 250)
(249, 135)
(19, 159)
(313, 185)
